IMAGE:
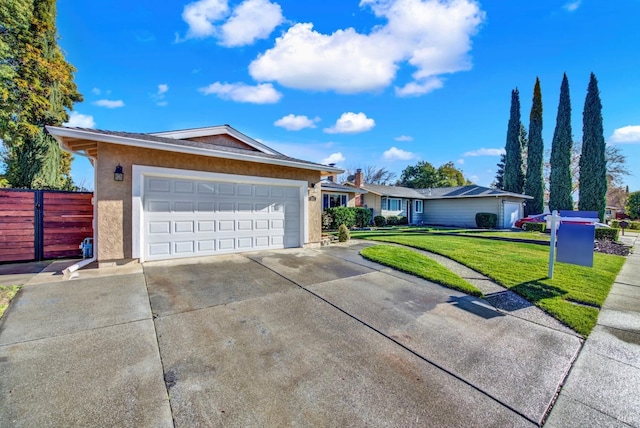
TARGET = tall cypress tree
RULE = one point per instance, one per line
(593, 164)
(534, 183)
(499, 181)
(513, 173)
(560, 176)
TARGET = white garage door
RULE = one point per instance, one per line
(511, 214)
(189, 217)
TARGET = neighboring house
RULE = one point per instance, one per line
(195, 192)
(446, 206)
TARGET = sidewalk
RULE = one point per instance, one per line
(603, 387)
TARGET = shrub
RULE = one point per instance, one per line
(363, 216)
(631, 224)
(338, 216)
(343, 233)
(403, 220)
(534, 227)
(486, 220)
(392, 220)
(327, 220)
(379, 221)
(608, 234)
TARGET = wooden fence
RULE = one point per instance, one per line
(43, 224)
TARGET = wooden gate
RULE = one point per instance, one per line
(43, 224)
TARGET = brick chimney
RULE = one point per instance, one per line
(358, 183)
(358, 178)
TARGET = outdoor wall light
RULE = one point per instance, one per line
(118, 175)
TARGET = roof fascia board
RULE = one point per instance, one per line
(60, 132)
(216, 130)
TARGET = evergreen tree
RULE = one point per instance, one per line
(593, 164)
(560, 175)
(499, 181)
(513, 173)
(36, 88)
(534, 183)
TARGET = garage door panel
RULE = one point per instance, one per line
(186, 218)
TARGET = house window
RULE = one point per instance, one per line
(332, 200)
(394, 205)
(418, 206)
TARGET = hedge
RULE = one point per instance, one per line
(534, 226)
(379, 221)
(332, 218)
(632, 224)
(607, 234)
(486, 220)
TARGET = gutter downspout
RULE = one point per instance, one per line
(69, 272)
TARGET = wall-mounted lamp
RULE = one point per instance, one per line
(118, 175)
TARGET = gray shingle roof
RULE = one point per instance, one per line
(394, 191)
(330, 186)
(469, 191)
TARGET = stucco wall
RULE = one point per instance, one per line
(371, 200)
(114, 198)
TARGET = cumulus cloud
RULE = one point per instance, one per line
(460, 161)
(110, 103)
(163, 88)
(572, 6)
(78, 120)
(395, 153)
(404, 138)
(484, 152)
(351, 123)
(292, 122)
(333, 158)
(434, 36)
(626, 135)
(264, 93)
(251, 20)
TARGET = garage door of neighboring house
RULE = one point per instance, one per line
(511, 214)
(186, 217)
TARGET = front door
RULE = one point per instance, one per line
(409, 212)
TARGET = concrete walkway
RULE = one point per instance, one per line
(603, 387)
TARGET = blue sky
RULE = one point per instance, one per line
(370, 82)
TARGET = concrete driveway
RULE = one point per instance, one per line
(294, 337)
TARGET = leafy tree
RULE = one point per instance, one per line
(513, 173)
(371, 174)
(560, 163)
(593, 164)
(633, 205)
(498, 183)
(534, 183)
(423, 175)
(36, 88)
(616, 196)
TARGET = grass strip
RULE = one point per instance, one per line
(7, 292)
(406, 260)
(573, 296)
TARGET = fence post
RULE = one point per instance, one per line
(38, 225)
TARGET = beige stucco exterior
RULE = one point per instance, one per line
(114, 198)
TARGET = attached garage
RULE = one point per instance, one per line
(196, 192)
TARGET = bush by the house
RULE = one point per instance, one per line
(337, 216)
(486, 220)
(534, 227)
(363, 216)
(606, 233)
(343, 233)
(403, 221)
(379, 221)
(392, 220)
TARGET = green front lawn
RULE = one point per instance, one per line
(573, 296)
(409, 261)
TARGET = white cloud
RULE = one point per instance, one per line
(162, 88)
(264, 93)
(484, 152)
(292, 122)
(78, 120)
(626, 134)
(251, 20)
(404, 138)
(110, 103)
(351, 123)
(474, 179)
(333, 158)
(395, 153)
(200, 16)
(572, 6)
(460, 161)
(415, 89)
(431, 35)
(96, 91)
